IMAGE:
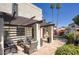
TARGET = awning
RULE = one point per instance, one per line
(19, 20)
(45, 24)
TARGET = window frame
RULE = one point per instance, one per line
(20, 31)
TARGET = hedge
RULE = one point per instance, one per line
(70, 37)
(69, 49)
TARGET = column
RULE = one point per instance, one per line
(1, 36)
(37, 34)
(41, 35)
(51, 29)
(25, 33)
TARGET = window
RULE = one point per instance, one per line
(20, 31)
(15, 8)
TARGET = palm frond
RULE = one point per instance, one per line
(58, 6)
(52, 5)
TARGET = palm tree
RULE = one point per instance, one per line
(52, 7)
(58, 6)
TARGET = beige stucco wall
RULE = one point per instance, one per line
(29, 10)
(1, 36)
(6, 7)
(24, 9)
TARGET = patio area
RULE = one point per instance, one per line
(46, 49)
(49, 48)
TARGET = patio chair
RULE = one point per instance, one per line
(28, 40)
(9, 47)
(30, 48)
(28, 45)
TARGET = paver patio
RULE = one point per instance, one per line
(49, 49)
(46, 49)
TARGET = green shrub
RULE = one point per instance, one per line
(69, 49)
(69, 37)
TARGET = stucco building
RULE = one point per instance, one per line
(23, 21)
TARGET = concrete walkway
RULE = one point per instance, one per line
(49, 49)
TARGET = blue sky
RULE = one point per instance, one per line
(67, 12)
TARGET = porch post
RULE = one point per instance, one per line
(1, 36)
(51, 29)
(25, 34)
(41, 33)
(37, 34)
